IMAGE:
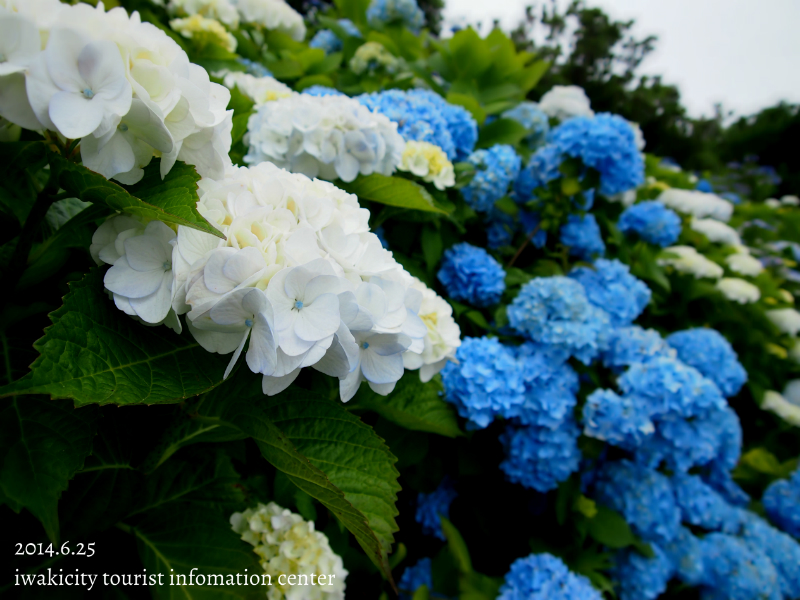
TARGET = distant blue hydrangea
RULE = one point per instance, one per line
(470, 274)
(582, 235)
(686, 555)
(622, 421)
(501, 227)
(782, 502)
(551, 386)
(498, 234)
(495, 169)
(406, 12)
(545, 577)
(326, 40)
(651, 221)
(540, 458)
(431, 506)
(541, 169)
(703, 507)
(531, 117)
(486, 381)
(670, 386)
(732, 198)
(781, 549)
(703, 185)
(530, 222)
(414, 577)
(610, 286)
(381, 234)
(254, 68)
(736, 570)
(424, 116)
(321, 90)
(643, 496)
(555, 311)
(642, 578)
(631, 345)
(710, 353)
(606, 143)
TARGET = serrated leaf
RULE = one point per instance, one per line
(172, 200)
(42, 445)
(457, 546)
(394, 191)
(95, 354)
(327, 452)
(501, 131)
(414, 405)
(174, 540)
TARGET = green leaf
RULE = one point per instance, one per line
(470, 103)
(477, 586)
(42, 445)
(477, 318)
(610, 529)
(432, 247)
(95, 354)
(172, 200)
(241, 103)
(414, 405)
(501, 131)
(516, 276)
(327, 452)
(16, 190)
(355, 10)
(422, 593)
(239, 126)
(457, 546)
(394, 191)
(177, 539)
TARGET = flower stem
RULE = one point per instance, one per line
(527, 241)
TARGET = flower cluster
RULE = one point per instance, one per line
(328, 41)
(124, 87)
(373, 57)
(259, 89)
(219, 10)
(710, 353)
(781, 500)
(424, 116)
(495, 169)
(652, 222)
(630, 345)
(716, 231)
(533, 118)
(289, 545)
(210, 28)
(697, 204)
(541, 169)
(273, 15)
(685, 259)
(470, 274)
(405, 12)
(564, 102)
(545, 577)
(425, 160)
(609, 285)
(414, 577)
(581, 234)
(330, 137)
(430, 507)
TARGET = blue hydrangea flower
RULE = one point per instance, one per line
(703, 507)
(642, 578)
(498, 234)
(631, 345)
(470, 274)
(531, 117)
(406, 12)
(722, 482)
(703, 185)
(550, 386)
(545, 577)
(736, 570)
(486, 381)
(670, 386)
(321, 90)
(378, 231)
(622, 421)
(651, 221)
(611, 286)
(414, 577)
(643, 496)
(732, 198)
(424, 116)
(541, 169)
(540, 458)
(495, 169)
(686, 555)
(431, 506)
(254, 68)
(606, 143)
(555, 311)
(710, 353)
(582, 235)
(781, 549)
(326, 40)
(782, 502)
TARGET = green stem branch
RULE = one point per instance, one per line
(527, 241)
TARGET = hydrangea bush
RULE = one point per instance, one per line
(580, 364)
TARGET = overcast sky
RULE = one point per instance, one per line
(743, 53)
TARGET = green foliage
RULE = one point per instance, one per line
(396, 191)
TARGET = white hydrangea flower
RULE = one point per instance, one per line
(790, 201)
(626, 198)
(289, 545)
(776, 403)
(689, 261)
(716, 231)
(273, 14)
(563, 102)
(373, 56)
(772, 202)
(259, 89)
(787, 320)
(330, 137)
(196, 23)
(220, 10)
(638, 135)
(698, 204)
(124, 87)
(442, 339)
(429, 162)
(744, 264)
(738, 290)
